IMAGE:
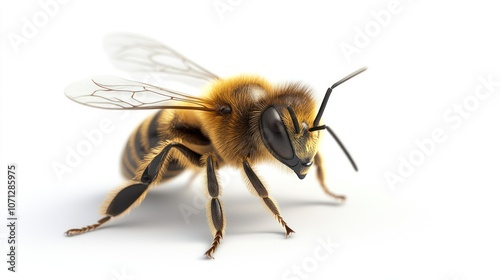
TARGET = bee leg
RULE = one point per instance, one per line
(261, 191)
(122, 201)
(75, 231)
(320, 172)
(215, 213)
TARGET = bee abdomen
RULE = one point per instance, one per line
(141, 141)
(154, 131)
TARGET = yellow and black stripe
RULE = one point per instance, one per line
(145, 138)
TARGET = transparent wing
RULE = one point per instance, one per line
(135, 53)
(109, 92)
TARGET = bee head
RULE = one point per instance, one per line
(288, 138)
(290, 134)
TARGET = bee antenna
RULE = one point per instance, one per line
(316, 125)
(329, 92)
(321, 127)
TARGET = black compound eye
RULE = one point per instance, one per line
(274, 133)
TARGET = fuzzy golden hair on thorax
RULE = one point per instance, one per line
(236, 135)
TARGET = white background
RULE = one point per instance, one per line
(441, 222)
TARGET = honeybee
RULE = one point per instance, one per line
(240, 121)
